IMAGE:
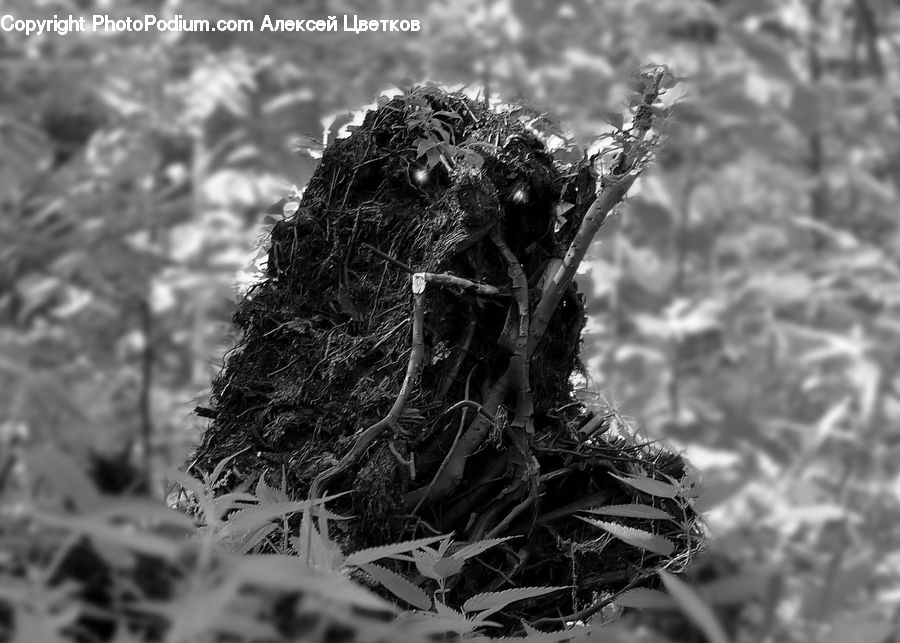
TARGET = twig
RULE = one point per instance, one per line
(422, 494)
(392, 419)
(518, 509)
(466, 503)
(478, 526)
(518, 373)
(591, 427)
(470, 404)
(466, 285)
(560, 273)
(388, 258)
(452, 474)
(408, 463)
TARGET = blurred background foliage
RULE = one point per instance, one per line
(745, 302)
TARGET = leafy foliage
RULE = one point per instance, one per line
(214, 588)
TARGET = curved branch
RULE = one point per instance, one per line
(392, 419)
(452, 474)
(466, 285)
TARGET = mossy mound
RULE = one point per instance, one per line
(420, 186)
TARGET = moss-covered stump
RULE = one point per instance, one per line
(436, 183)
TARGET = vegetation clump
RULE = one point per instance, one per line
(413, 342)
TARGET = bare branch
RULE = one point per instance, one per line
(559, 274)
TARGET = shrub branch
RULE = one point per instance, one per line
(558, 275)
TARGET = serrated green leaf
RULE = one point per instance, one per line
(442, 609)
(268, 494)
(399, 586)
(649, 485)
(372, 554)
(252, 540)
(443, 547)
(188, 482)
(252, 518)
(479, 547)
(447, 567)
(631, 511)
(213, 477)
(220, 506)
(491, 602)
(635, 537)
(425, 562)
